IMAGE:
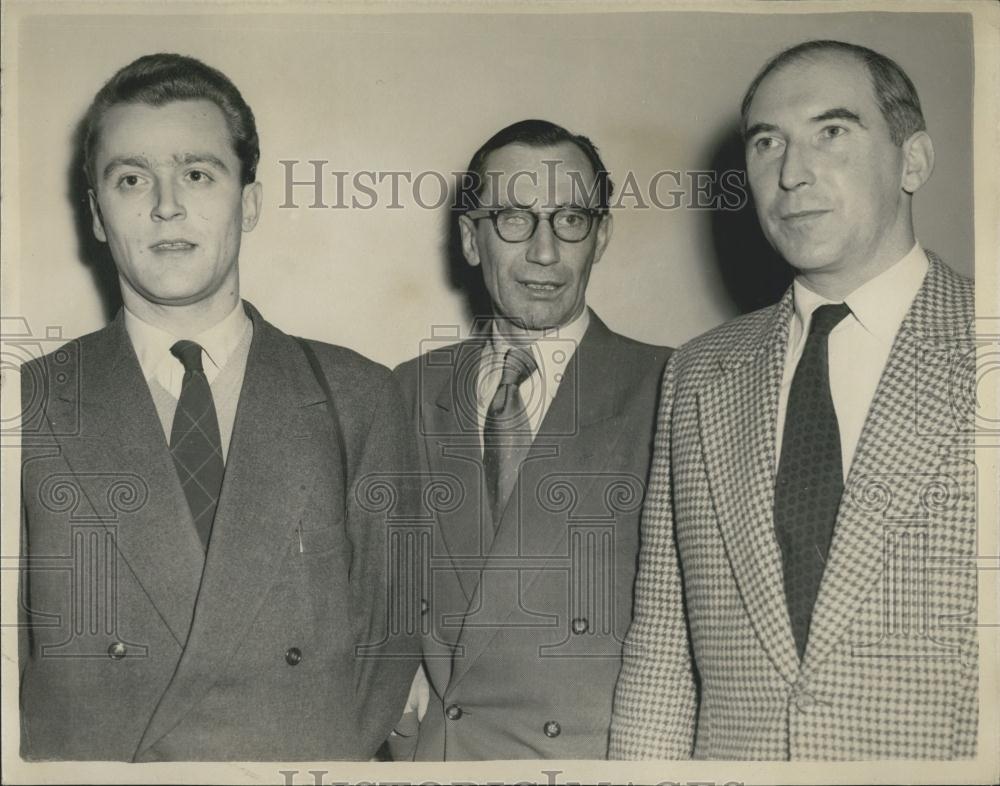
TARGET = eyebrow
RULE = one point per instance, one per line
(137, 161)
(839, 113)
(759, 128)
(186, 160)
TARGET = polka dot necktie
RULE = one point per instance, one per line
(810, 479)
(506, 430)
(194, 441)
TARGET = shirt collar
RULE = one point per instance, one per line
(152, 344)
(554, 349)
(878, 305)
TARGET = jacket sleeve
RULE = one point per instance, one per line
(382, 492)
(655, 699)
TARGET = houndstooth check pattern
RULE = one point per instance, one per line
(890, 669)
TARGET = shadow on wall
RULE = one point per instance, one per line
(753, 274)
(94, 254)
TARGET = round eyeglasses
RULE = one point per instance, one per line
(515, 225)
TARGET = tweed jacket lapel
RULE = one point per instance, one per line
(121, 432)
(892, 444)
(579, 423)
(738, 421)
(276, 448)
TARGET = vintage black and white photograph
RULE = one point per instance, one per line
(491, 392)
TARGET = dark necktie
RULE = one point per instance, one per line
(194, 441)
(810, 479)
(506, 430)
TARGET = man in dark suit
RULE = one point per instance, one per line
(813, 493)
(200, 579)
(540, 425)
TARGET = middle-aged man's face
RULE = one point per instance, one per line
(169, 202)
(825, 174)
(540, 282)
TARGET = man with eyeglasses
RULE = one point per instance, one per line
(540, 428)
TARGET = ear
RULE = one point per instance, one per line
(470, 240)
(252, 195)
(918, 161)
(95, 212)
(604, 232)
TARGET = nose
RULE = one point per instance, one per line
(796, 167)
(543, 249)
(167, 205)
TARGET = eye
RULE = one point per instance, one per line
(199, 176)
(832, 132)
(766, 144)
(514, 218)
(128, 182)
(570, 218)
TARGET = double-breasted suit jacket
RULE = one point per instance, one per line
(524, 620)
(889, 669)
(139, 646)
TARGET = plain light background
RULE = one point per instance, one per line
(420, 92)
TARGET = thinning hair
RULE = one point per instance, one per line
(894, 92)
(161, 78)
(533, 133)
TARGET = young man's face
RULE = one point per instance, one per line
(168, 201)
(825, 173)
(540, 282)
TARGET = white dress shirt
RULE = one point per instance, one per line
(858, 347)
(226, 347)
(552, 353)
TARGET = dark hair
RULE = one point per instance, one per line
(534, 133)
(161, 78)
(894, 92)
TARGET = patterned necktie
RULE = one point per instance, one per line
(506, 430)
(810, 479)
(194, 441)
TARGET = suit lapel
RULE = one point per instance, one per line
(891, 460)
(579, 422)
(276, 452)
(738, 417)
(121, 432)
(449, 411)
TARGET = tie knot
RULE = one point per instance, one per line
(189, 354)
(826, 318)
(518, 365)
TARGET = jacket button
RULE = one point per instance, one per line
(424, 606)
(117, 650)
(293, 656)
(552, 729)
(454, 712)
(805, 701)
(579, 626)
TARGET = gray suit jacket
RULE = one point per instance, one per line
(890, 668)
(130, 651)
(523, 630)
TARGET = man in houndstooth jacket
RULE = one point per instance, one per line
(721, 660)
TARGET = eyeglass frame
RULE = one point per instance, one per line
(482, 212)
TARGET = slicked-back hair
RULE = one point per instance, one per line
(161, 78)
(533, 133)
(894, 92)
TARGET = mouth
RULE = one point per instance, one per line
(542, 287)
(803, 215)
(166, 246)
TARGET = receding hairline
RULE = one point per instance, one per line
(815, 56)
